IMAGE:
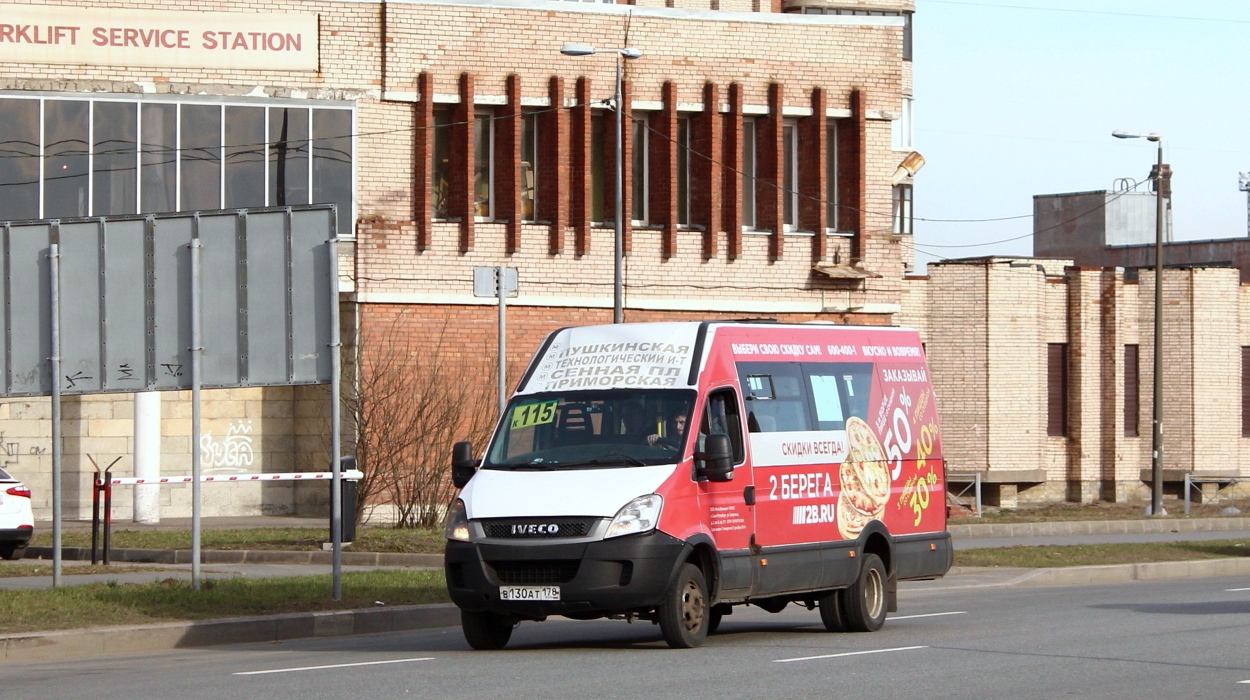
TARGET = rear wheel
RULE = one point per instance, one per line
(831, 611)
(864, 603)
(685, 614)
(485, 631)
(12, 551)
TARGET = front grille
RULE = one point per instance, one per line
(533, 528)
(535, 573)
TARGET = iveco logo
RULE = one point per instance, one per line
(551, 529)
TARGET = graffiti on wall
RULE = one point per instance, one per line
(233, 451)
(11, 452)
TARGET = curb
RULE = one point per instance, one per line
(1096, 527)
(1122, 573)
(72, 644)
(245, 556)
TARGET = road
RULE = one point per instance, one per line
(1165, 639)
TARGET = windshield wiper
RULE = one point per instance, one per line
(524, 466)
(612, 458)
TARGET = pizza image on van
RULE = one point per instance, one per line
(865, 480)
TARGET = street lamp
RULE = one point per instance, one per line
(618, 291)
(1156, 460)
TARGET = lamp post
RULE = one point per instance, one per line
(618, 290)
(1156, 460)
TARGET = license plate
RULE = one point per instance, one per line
(529, 593)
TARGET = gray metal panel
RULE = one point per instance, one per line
(171, 308)
(80, 307)
(268, 307)
(223, 283)
(126, 301)
(125, 313)
(310, 295)
(29, 310)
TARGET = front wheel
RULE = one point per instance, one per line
(685, 615)
(485, 631)
(864, 603)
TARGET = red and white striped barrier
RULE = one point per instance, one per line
(349, 475)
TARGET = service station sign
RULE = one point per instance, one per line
(107, 37)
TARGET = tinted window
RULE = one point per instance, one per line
(288, 156)
(201, 157)
(332, 158)
(839, 391)
(159, 174)
(245, 157)
(114, 167)
(721, 416)
(65, 127)
(19, 159)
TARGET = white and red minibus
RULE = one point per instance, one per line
(671, 471)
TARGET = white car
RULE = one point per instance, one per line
(17, 520)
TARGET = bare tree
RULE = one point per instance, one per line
(408, 405)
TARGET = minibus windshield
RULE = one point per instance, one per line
(589, 429)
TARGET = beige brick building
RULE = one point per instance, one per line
(759, 152)
(1043, 373)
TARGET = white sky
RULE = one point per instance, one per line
(1019, 97)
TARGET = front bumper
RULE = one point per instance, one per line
(18, 535)
(606, 576)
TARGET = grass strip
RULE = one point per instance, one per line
(73, 607)
(18, 570)
(369, 539)
(1096, 554)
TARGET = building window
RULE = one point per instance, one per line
(106, 156)
(748, 173)
(831, 175)
(907, 35)
(1057, 389)
(790, 174)
(902, 130)
(902, 210)
(529, 166)
(683, 171)
(1132, 391)
(598, 176)
(1245, 392)
(441, 167)
(640, 144)
(483, 166)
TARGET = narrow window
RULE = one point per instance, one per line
(245, 157)
(1245, 392)
(288, 156)
(748, 173)
(721, 416)
(902, 209)
(831, 175)
(113, 164)
(65, 167)
(483, 165)
(200, 157)
(640, 190)
(598, 176)
(158, 163)
(903, 130)
(907, 36)
(1132, 391)
(441, 167)
(19, 159)
(683, 171)
(332, 159)
(790, 176)
(1057, 389)
(529, 166)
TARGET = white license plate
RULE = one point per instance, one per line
(529, 593)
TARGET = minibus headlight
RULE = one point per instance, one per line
(457, 526)
(639, 515)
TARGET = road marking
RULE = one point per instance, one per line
(848, 653)
(318, 668)
(1240, 682)
(912, 617)
(1236, 590)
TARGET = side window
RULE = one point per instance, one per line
(775, 398)
(839, 391)
(721, 415)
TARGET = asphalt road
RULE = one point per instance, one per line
(1168, 639)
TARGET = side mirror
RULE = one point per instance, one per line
(718, 459)
(463, 466)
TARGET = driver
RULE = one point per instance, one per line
(675, 430)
